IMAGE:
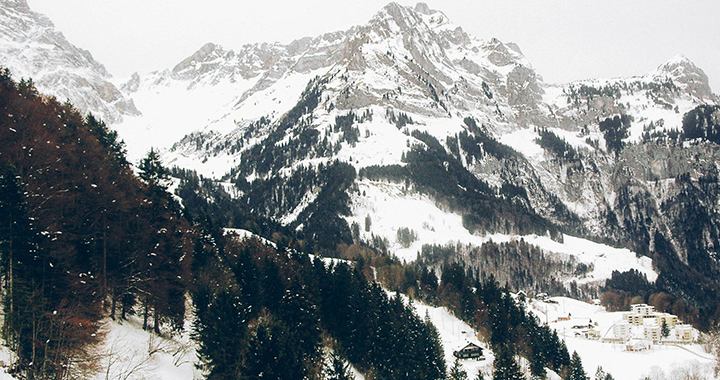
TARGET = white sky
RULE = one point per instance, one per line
(564, 39)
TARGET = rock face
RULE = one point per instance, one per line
(31, 48)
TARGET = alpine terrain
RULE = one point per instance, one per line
(408, 124)
(324, 194)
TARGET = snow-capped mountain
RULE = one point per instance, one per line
(409, 126)
(453, 138)
(31, 47)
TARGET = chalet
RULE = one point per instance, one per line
(521, 296)
(635, 345)
(471, 351)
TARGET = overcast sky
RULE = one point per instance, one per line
(565, 40)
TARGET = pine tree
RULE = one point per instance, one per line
(220, 331)
(665, 329)
(505, 366)
(339, 369)
(152, 170)
(575, 370)
(457, 372)
(600, 374)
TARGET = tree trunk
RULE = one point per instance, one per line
(145, 316)
(113, 304)
(104, 270)
(156, 321)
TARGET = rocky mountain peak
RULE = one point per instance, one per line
(197, 57)
(20, 5)
(424, 9)
(30, 45)
(395, 18)
(687, 75)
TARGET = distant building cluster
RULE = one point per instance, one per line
(643, 326)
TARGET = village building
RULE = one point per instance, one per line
(644, 323)
(670, 320)
(635, 345)
(634, 319)
(592, 334)
(652, 332)
(642, 309)
(471, 351)
(684, 333)
(622, 330)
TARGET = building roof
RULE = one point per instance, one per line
(471, 346)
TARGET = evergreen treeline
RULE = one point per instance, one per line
(517, 264)
(81, 237)
(271, 155)
(321, 190)
(434, 171)
(261, 311)
(702, 122)
(437, 173)
(615, 130)
(557, 146)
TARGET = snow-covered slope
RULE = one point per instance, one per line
(31, 47)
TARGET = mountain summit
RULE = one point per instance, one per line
(31, 48)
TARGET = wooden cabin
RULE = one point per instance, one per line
(471, 351)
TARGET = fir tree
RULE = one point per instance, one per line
(220, 331)
(600, 374)
(339, 369)
(152, 170)
(575, 370)
(505, 367)
(457, 372)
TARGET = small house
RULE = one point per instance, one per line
(636, 345)
(471, 351)
(521, 296)
(592, 334)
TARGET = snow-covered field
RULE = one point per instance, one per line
(659, 363)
